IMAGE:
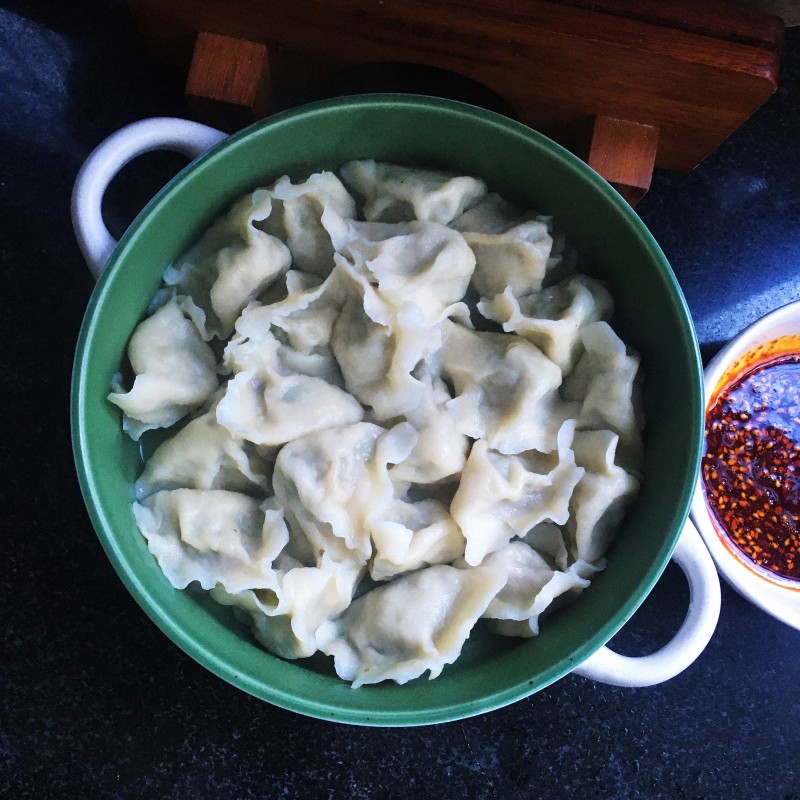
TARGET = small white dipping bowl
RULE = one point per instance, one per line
(778, 597)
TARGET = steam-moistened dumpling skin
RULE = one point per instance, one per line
(244, 274)
(515, 249)
(532, 588)
(285, 618)
(297, 211)
(552, 318)
(378, 348)
(527, 573)
(511, 250)
(604, 382)
(268, 408)
(420, 263)
(501, 496)
(441, 449)
(517, 258)
(506, 390)
(294, 284)
(601, 497)
(412, 535)
(491, 214)
(212, 537)
(396, 194)
(547, 539)
(203, 455)
(288, 383)
(333, 484)
(230, 266)
(291, 335)
(176, 372)
(416, 623)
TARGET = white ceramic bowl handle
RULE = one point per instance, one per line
(109, 157)
(694, 634)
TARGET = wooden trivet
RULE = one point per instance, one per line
(628, 85)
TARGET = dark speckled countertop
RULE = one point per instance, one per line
(96, 703)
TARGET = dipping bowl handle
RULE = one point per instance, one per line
(109, 157)
(692, 637)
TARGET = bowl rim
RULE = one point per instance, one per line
(487, 701)
(778, 598)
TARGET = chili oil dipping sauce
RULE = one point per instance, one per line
(751, 464)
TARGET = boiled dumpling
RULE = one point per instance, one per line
(204, 455)
(285, 617)
(506, 390)
(230, 266)
(552, 318)
(212, 537)
(296, 216)
(527, 574)
(419, 263)
(292, 335)
(415, 624)
(334, 483)
(604, 382)
(378, 348)
(504, 496)
(532, 588)
(517, 259)
(269, 408)
(601, 497)
(512, 250)
(410, 535)
(287, 382)
(176, 372)
(395, 194)
(441, 448)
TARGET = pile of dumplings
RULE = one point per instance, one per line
(395, 409)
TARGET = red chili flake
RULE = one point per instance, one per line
(751, 465)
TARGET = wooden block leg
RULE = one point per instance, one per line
(229, 83)
(624, 153)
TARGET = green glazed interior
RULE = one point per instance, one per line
(520, 164)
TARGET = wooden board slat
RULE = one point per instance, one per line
(695, 71)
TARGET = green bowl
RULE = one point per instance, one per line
(520, 164)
